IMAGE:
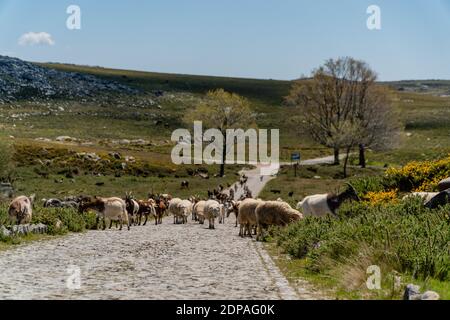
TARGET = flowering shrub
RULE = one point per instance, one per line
(381, 197)
(419, 176)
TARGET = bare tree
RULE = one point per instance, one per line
(223, 110)
(344, 107)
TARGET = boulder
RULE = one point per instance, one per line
(24, 229)
(6, 190)
(430, 295)
(444, 184)
(412, 292)
(4, 232)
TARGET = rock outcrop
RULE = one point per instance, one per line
(25, 80)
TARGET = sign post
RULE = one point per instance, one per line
(295, 156)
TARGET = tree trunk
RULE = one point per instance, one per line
(224, 157)
(347, 155)
(362, 155)
(336, 156)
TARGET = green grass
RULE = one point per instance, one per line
(30, 182)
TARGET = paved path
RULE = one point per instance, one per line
(152, 262)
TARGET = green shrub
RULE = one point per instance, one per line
(406, 237)
(71, 220)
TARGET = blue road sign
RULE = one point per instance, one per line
(295, 156)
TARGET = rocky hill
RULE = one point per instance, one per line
(20, 79)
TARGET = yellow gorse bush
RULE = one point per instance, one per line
(421, 176)
(381, 197)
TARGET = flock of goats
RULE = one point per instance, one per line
(253, 215)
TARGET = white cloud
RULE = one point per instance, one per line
(36, 38)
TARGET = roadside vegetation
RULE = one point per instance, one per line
(402, 237)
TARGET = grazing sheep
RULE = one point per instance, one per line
(320, 205)
(114, 209)
(198, 210)
(425, 196)
(211, 212)
(21, 209)
(247, 216)
(274, 213)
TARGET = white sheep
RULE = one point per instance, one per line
(173, 208)
(247, 216)
(321, 205)
(185, 210)
(274, 213)
(198, 210)
(211, 212)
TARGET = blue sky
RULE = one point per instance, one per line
(246, 38)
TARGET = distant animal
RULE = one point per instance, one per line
(234, 208)
(247, 216)
(185, 210)
(290, 194)
(113, 209)
(173, 208)
(320, 205)
(184, 184)
(274, 191)
(160, 208)
(212, 211)
(231, 194)
(146, 209)
(132, 207)
(223, 212)
(274, 213)
(198, 211)
(20, 210)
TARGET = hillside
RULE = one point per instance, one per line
(140, 124)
